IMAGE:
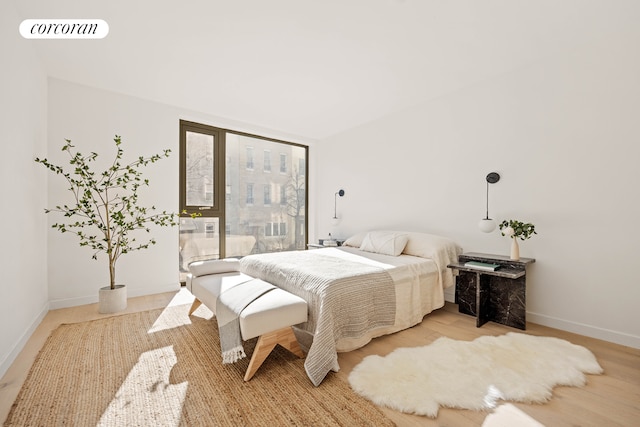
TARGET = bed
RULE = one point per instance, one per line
(376, 283)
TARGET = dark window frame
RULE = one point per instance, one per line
(219, 188)
(218, 210)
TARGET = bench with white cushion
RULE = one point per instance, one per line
(269, 317)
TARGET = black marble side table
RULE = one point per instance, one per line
(498, 296)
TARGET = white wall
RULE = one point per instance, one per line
(90, 118)
(562, 133)
(23, 288)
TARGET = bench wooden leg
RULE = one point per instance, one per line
(285, 337)
(194, 306)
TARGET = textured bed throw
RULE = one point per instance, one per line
(345, 299)
(229, 305)
(472, 374)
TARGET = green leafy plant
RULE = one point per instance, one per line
(517, 229)
(106, 205)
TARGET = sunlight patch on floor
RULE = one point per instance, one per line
(165, 321)
(508, 415)
(182, 297)
(147, 395)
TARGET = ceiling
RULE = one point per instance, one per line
(312, 69)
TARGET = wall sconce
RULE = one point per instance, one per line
(487, 225)
(335, 203)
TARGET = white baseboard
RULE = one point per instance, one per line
(450, 294)
(72, 302)
(17, 348)
(586, 330)
(131, 292)
(569, 326)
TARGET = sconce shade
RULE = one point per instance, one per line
(486, 225)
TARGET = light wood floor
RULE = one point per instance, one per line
(612, 399)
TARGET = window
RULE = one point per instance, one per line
(267, 161)
(201, 195)
(218, 185)
(267, 195)
(249, 194)
(199, 172)
(250, 158)
(277, 229)
(279, 194)
(302, 166)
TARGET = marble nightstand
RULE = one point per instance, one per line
(498, 296)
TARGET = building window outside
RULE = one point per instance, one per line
(273, 229)
(283, 163)
(249, 194)
(267, 161)
(250, 158)
(267, 195)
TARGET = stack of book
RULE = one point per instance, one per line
(482, 265)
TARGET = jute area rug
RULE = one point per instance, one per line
(472, 374)
(164, 368)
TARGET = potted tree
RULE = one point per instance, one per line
(106, 211)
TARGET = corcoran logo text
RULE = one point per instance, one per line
(64, 29)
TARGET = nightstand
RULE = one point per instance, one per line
(498, 296)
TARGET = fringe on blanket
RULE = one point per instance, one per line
(233, 355)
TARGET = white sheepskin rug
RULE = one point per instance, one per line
(472, 374)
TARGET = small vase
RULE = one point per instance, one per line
(515, 249)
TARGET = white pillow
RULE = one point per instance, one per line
(441, 250)
(384, 242)
(355, 241)
(214, 266)
(429, 245)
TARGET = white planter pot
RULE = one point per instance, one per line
(112, 300)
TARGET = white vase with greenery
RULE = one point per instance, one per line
(516, 230)
(105, 211)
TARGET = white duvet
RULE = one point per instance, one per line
(417, 289)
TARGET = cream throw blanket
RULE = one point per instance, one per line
(346, 299)
(229, 305)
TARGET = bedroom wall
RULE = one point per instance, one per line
(91, 117)
(23, 261)
(562, 133)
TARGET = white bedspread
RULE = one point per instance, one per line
(346, 298)
(419, 286)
